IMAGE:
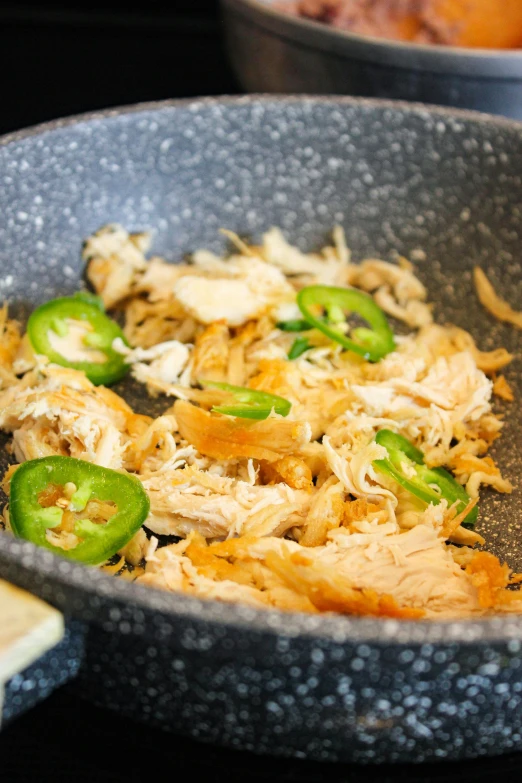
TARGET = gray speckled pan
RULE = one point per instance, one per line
(398, 178)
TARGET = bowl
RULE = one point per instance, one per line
(272, 51)
(398, 178)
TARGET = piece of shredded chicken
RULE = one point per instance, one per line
(290, 512)
(493, 302)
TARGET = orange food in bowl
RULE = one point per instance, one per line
(491, 24)
(495, 24)
(409, 27)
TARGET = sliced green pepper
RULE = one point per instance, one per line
(299, 346)
(298, 325)
(373, 344)
(53, 322)
(98, 542)
(86, 296)
(252, 404)
(405, 464)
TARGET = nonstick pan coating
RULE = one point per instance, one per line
(399, 179)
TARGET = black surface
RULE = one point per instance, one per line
(57, 61)
(61, 59)
(66, 739)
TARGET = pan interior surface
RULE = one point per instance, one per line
(442, 188)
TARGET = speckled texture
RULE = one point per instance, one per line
(272, 51)
(53, 669)
(398, 179)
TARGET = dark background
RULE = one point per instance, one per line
(65, 740)
(58, 59)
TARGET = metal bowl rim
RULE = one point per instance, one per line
(504, 63)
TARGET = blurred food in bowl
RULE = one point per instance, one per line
(487, 24)
(312, 50)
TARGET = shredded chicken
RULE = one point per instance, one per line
(406, 575)
(493, 302)
(114, 258)
(290, 512)
(502, 389)
(224, 437)
(186, 499)
(396, 290)
(55, 411)
(487, 361)
(10, 345)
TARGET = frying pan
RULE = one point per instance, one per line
(398, 178)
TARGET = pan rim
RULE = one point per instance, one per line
(403, 107)
(19, 560)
